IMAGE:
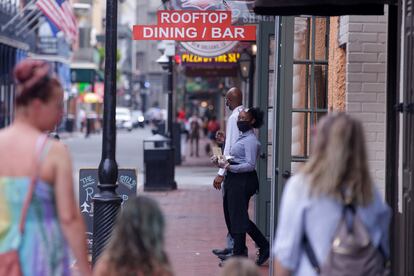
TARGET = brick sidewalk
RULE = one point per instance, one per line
(195, 224)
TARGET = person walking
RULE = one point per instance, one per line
(233, 101)
(195, 125)
(213, 126)
(241, 183)
(315, 199)
(136, 246)
(39, 215)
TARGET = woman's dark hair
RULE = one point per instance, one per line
(258, 115)
(137, 242)
(33, 82)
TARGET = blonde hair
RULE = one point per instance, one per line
(240, 267)
(338, 165)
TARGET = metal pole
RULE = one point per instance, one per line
(17, 16)
(251, 81)
(392, 133)
(40, 22)
(170, 98)
(31, 21)
(107, 202)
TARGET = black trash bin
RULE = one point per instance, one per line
(159, 164)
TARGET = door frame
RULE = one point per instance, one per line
(282, 125)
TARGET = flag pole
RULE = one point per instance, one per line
(3, 28)
(28, 23)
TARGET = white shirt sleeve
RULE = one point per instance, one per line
(289, 234)
(232, 134)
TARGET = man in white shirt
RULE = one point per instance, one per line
(234, 99)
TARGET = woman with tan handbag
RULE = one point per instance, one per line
(39, 218)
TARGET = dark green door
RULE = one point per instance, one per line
(292, 89)
(265, 93)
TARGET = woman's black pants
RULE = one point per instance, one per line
(240, 239)
(239, 187)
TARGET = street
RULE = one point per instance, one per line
(86, 152)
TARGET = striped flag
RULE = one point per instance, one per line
(60, 14)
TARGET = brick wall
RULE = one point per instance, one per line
(364, 38)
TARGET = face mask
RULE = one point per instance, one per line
(244, 126)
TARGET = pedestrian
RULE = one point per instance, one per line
(315, 199)
(195, 125)
(241, 183)
(36, 184)
(233, 101)
(240, 267)
(136, 246)
(81, 120)
(213, 126)
(182, 120)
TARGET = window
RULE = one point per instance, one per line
(310, 83)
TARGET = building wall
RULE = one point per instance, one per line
(147, 54)
(337, 69)
(364, 38)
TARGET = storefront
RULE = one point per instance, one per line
(11, 52)
(390, 142)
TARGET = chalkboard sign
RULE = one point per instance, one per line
(88, 186)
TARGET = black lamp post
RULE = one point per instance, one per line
(107, 202)
(167, 64)
(247, 69)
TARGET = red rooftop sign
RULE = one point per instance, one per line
(194, 26)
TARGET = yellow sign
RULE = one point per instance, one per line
(225, 58)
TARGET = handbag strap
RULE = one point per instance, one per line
(308, 247)
(40, 144)
(310, 253)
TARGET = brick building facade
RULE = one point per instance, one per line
(361, 44)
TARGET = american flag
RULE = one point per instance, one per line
(60, 14)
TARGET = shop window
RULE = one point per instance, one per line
(310, 83)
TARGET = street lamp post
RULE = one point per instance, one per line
(166, 61)
(107, 202)
(247, 69)
(167, 64)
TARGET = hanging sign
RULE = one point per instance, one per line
(195, 26)
(229, 58)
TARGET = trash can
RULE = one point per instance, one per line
(159, 164)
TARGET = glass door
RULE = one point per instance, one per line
(301, 98)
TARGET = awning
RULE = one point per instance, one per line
(320, 7)
(92, 98)
(83, 72)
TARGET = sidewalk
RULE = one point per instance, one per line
(195, 222)
(202, 160)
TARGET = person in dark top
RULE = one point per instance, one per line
(241, 183)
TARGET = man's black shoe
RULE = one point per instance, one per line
(224, 257)
(263, 256)
(224, 251)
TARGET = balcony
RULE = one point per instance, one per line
(19, 33)
(49, 45)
